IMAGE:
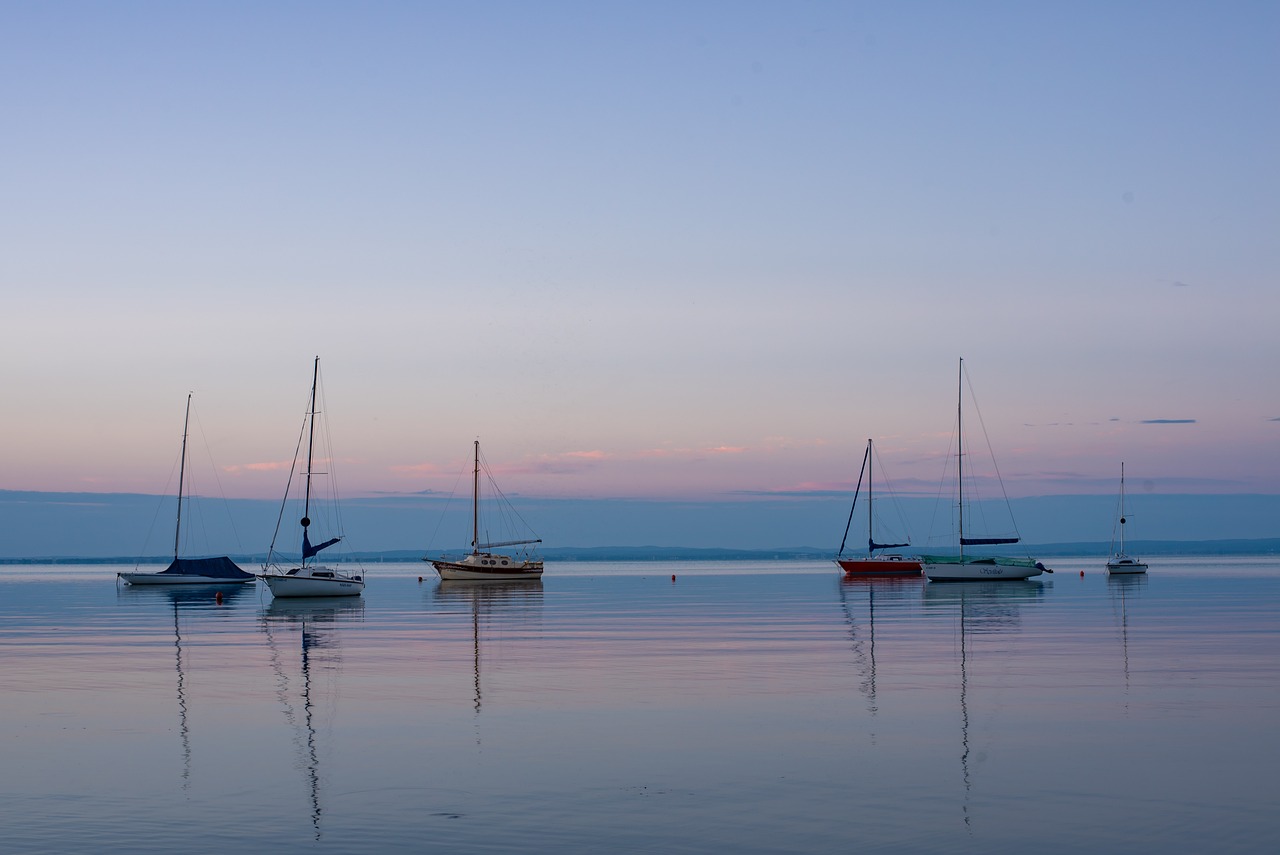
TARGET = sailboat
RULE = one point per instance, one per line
(308, 579)
(889, 564)
(962, 567)
(189, 571)
(1119, 562)
(481, 564)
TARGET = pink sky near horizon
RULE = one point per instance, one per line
(686, 252)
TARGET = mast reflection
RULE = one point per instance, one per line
(316, 621)
(486, 600)
(1122, 587)
(883, 592)
(980, 608)
(193, 600)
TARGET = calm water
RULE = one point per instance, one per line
(739, 708)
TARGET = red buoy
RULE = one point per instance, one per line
(673, 577)
(217, 598)
(419, 580)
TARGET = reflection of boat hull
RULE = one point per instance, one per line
(486, 567)
(1125, 564)
(978, 569)
(884, 565)
(314, 582)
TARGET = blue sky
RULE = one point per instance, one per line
(662, 250)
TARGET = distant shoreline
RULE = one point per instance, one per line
(1259, 546)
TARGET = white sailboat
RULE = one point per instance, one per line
(309, 579)
(887, 564)
(1120, 562)
(962, 567)
(482, 564)
(189, 571)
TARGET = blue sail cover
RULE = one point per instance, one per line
(308, 550)
(987, 541)
(214, 568)
(872, 546)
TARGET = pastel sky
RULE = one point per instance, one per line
(684, 250)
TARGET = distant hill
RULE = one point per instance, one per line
(1235, 546)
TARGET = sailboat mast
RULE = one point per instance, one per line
(182, 467)
(866, 458)
(311, 441)
(475, 504)
(870, 469)
(1122, 507)
(960, 451)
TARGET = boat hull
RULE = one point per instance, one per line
(887, 565)
(178, 579)
(1126, 565)
(299, 585)
(979, 569)
(488, 568)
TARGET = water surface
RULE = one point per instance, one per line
(746, 707)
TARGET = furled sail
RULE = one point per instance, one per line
(308, 550)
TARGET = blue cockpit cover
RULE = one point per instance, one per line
(215, 568)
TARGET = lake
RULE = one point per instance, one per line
(746, 707)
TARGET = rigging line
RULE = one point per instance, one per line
(221, 492)
(1008, 505)
(440, 519)
(942, 483)
(333, 511)
(893, 497)
(865, 456)
(288, 484)
(502, 497)
(146, 544)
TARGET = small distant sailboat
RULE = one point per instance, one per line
(308, 579)
(962, 567)
(481, 564)
(1120, 562)
(189, 571)
(889, 564)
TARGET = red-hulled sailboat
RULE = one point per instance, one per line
(883, 564)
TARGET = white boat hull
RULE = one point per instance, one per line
(485, 567)
(306, 583)
(176, 579)
(1126, 565)
(979, 570)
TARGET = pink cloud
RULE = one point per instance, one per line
(273, 466)
(415, 469)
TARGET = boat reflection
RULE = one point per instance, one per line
(884, 592)
(1122, 587)
(316, 622)
(979, 608)
(522, 599)
(193, 600)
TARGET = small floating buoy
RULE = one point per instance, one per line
(1082, 573)
(673, 577)
(217, 598)
(419, 580)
